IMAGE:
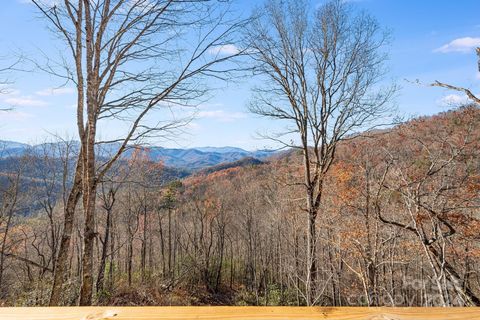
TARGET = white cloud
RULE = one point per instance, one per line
(11, 116)
(25, 102)
(224, 49)
(14, 98)
(452, 100)
(222, 115)
(54, 91)
(7, 91)
(463, 45)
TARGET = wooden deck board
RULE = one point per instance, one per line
(236, 313)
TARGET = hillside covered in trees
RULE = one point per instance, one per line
(399, 226)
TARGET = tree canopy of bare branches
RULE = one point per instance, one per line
(322, 75)
(132, 62)
(5, 70)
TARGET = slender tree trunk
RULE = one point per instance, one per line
(86, 289)
(296, 257)
(311, 257)
(62, 258)
(129, 261)
(220, 264)
(76, 191)
(143, 251)
(4, 243)
(162, 244)
(89, 199)
(453, 277)
(103, 260)
(112, 259)
(170, 243)
(312, 205)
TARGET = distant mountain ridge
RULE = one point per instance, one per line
(192, 159)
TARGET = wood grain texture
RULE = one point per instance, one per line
(236, 313)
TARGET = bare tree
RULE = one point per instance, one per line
(129, 61)
(9, 196)
(322, 75)
(109, 189)
(5, 82)
(430, 201)
(470, 95)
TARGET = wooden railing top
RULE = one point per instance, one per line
(236, 313)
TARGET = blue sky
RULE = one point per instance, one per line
(432, 40)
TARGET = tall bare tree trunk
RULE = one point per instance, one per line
(62, 258)
(11, 211)
(103, 260)
(89, 199)
(143, 251)
(311, 258)
(86, 289)
(162, 243)
(170, 275)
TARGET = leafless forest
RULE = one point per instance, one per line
(357, 207)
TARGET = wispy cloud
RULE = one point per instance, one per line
(14, 98)
(5, 90)
(224, 49)
(25, 102)
(453, 100)
(221, 115)
(15, 116)
(463, 45)
(54, 91)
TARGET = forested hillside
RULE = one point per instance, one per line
(398, 225)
